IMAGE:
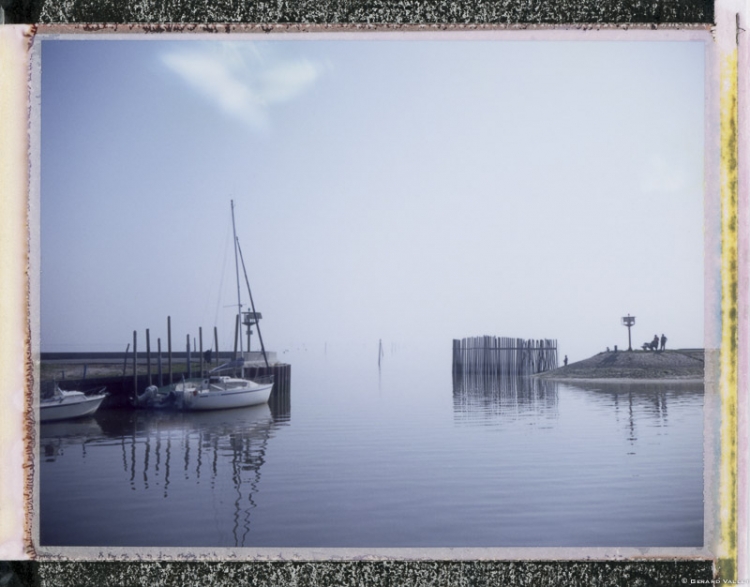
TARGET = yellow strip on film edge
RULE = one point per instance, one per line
(727, 553)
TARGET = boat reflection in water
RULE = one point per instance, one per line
(192, 477)
(58, 435)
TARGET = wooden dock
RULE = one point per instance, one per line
(91, 371)
(128, 374)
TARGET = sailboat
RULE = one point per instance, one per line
(216, 391)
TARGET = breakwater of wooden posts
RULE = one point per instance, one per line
(503, 357)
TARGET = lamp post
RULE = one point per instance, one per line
(629, 321)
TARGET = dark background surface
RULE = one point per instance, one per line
(454, 12)
(359, 12)
(355, 574)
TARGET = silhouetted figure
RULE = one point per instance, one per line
(565, 360)
(607, 349)
(615, 348)
(663, 342)
(651, 346)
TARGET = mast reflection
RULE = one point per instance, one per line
(225, 449)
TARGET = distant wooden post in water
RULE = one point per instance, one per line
(505, 357)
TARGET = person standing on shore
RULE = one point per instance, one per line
(655, 343)
(663, 342)
(565, 360)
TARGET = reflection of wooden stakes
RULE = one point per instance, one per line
(629, 321)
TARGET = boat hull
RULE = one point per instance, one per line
(243, 397)
(68, 409)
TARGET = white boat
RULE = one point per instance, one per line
(65, 405)
(222, 392)
(214, 392)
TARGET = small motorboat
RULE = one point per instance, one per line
(66, 405)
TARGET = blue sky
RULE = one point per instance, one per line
(397, 190)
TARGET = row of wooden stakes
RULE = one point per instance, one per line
(512, 357)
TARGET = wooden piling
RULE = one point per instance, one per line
(169, 347)
(158, 346)
(216, 344)
(135, 364)
(189, 374)
(125, 362)
(148, 355)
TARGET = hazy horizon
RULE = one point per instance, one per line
(395, 190)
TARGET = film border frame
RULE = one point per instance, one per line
(735, 251)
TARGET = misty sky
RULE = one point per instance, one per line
(397, 190)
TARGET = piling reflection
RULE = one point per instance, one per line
(166, 451)
(489, 396)
(645, 402)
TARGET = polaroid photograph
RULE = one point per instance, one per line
(393, 295)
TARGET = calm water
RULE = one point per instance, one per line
(397, 457)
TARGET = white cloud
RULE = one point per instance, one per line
(240, 80)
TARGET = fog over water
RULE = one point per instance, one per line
(409, 191)
(398, 456)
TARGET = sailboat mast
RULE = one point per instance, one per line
(252, 304)
(237, 271)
